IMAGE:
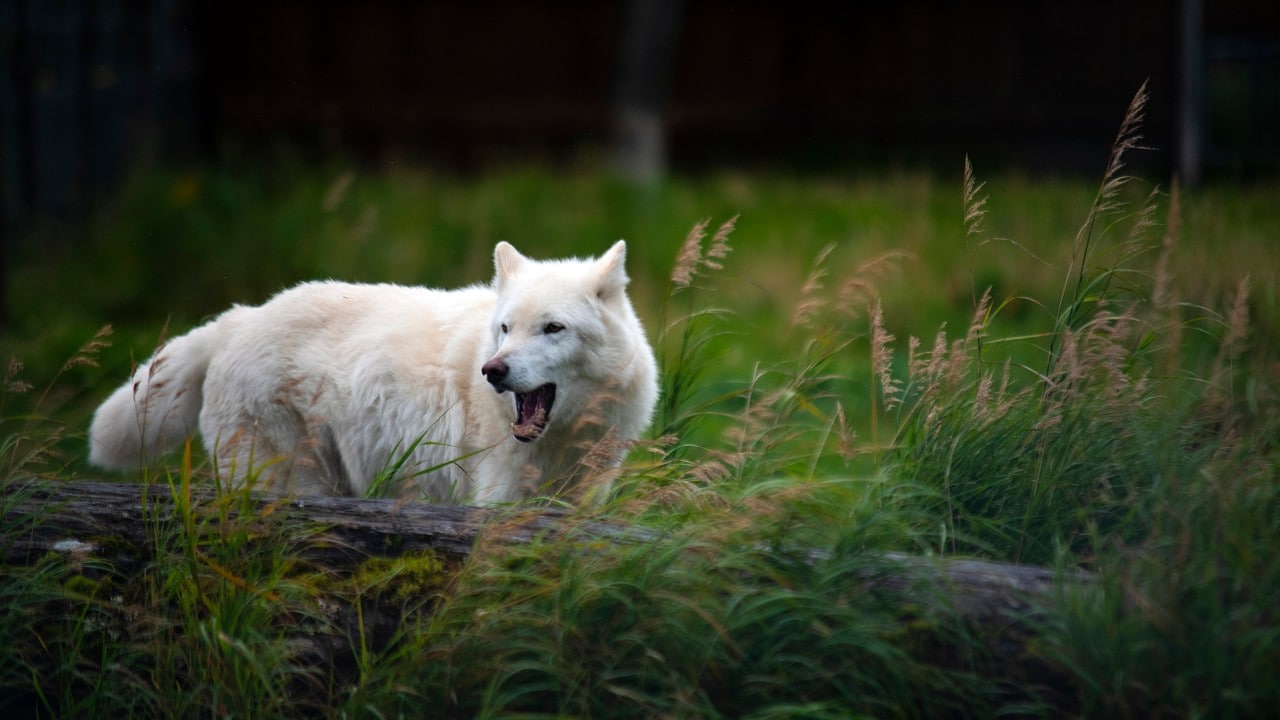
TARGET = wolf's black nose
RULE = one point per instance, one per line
(495, 370)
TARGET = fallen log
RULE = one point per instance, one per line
(113, 520)
(998, 602)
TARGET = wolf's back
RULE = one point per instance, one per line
(160, 405)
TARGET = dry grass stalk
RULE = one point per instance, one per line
(1128, 138)
(1232, 346)
(337, 191)
(1137, 239)
(862, 288)
(690, 255)
(937, 359)
(846, 436)
(13, 382)
(913, 356)
(811, 303)
(692, 260)
(882, 360)
(1162, 278)
(1094, 362)
(992, 402)
(978, 324)
(1167, 308)
(1107, 200)
(719, 248)
(87, 355)
(974, 206)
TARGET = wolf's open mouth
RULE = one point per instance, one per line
(533, 411)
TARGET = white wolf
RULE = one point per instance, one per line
(328, 384)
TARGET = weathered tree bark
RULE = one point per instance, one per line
(115, 519)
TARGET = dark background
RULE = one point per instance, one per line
(89, 90)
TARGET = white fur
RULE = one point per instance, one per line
(328, 383)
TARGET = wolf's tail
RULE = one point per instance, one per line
(158, 408)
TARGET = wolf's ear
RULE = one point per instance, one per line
(612, 272)
(507, 262)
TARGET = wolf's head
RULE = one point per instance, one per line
(563, 333)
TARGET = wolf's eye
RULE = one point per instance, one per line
(504, 328)
(552, 328)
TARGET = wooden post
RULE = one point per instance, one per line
(1190, 91)
(645, 61)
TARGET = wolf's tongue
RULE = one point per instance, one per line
(533, 411)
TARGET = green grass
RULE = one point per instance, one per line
(1111, 405)
(179, 246)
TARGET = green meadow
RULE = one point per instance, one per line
(1067, 372)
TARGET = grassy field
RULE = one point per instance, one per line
(179, 246)
(1059, 372)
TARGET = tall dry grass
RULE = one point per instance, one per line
(1133, 436)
